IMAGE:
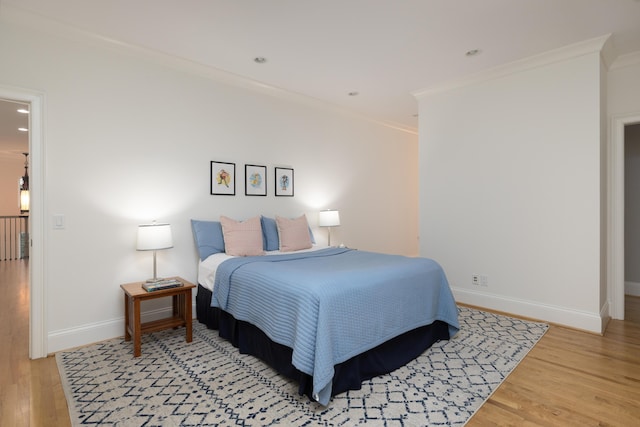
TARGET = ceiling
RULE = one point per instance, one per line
(13, 142)
(384, 50)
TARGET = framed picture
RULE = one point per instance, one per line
(284, 182)
(223, 178)
(255, 180)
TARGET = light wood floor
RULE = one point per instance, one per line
(30, 390)
(573, 378)
(570, 378)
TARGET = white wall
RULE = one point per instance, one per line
(11, 169)
(510, 188)
(623, 86)
(128, 137)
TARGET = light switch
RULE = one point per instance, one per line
(58, 222)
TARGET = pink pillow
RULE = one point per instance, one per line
(242, 238)
(294, 233)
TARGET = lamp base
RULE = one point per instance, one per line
(155, 280)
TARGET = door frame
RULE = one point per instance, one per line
(615, 241)
(37, 292)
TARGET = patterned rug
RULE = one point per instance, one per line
(208, 383)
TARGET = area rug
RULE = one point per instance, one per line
(208, 383)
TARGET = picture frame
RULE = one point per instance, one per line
(284, 182)
(223, 178)
(255, 180)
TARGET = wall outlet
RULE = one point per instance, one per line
(479, 280)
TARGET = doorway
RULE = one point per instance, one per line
(616, 215)
(37, 331)
(631, 217)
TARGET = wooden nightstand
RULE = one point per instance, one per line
(134, 294)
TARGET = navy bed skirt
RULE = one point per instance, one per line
(348, 375)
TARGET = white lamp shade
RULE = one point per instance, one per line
(154, 236)
(329, 218)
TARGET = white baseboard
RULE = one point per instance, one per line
(592, 322)
(605, 316)
(64, 339)
(632, 288)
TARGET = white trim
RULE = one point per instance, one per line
(604, 317)
(546, 58)
(583, 320)
(615, 215)
(37, 293)
(626, 60)
(632, 288)
(65, 339)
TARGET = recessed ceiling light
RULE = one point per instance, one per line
(472, 52)
(23, 129)
(260, 59)
(353, 93)
(23, 111)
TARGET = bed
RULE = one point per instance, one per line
(329, 318)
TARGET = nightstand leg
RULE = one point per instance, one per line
(137, 329)
(127, 335)
(187, 315)
(176, 305)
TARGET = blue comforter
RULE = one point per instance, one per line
(332, 304)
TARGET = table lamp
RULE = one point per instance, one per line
(24, 187)
(329, 218)
(154, 237)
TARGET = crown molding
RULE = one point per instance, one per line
(627, 60)
(47, 25)
(556, 55)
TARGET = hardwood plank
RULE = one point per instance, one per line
(573, 378)
(632, 309)
(30, 390)
(8, 403)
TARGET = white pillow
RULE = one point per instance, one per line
(242, 238)
(293, 233)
